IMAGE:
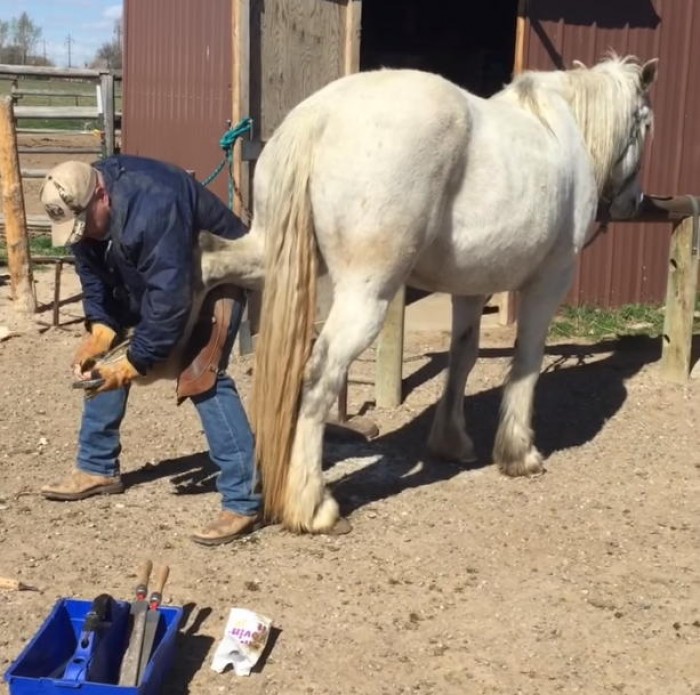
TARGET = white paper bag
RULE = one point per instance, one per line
(243, 643)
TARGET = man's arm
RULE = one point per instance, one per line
(99, 304)
(164, 261)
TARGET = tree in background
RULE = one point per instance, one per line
(18, 39)
(25, 35)
(109, 54)
(4, 33)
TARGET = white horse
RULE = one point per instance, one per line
(398, 176)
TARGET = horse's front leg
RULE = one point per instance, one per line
(448, 436)
(514, 449)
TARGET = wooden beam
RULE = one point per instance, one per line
(59, 150)
(680, 302)
(42, 71)
(57, 112)
(18, 259)
(389, 363)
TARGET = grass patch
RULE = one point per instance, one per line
(597, 323)
(38, 246)
(58, 124)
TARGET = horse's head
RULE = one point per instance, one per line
(622, 192)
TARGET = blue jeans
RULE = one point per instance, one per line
(231, 445)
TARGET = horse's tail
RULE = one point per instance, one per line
(288, 308)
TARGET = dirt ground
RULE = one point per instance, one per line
(453, 580)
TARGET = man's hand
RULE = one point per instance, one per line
(116, 375)
(95, 344)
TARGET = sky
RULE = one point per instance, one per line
(89, 23)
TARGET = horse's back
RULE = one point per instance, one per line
(390, 144)
(470, 194)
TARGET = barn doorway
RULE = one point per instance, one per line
(472, 47)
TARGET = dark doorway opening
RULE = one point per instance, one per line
(471, 44)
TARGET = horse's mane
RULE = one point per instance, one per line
(601, 99)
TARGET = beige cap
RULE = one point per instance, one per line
(65, 195)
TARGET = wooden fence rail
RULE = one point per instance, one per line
(102, 111)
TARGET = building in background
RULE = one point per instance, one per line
(184, 76)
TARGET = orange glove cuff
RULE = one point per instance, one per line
(96, 343)
(103, 336)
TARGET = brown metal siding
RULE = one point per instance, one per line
(629, 264)
(177, 82)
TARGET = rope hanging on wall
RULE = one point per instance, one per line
(227, 143)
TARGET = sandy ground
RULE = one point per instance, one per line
(453, 580)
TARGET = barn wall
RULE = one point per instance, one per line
(177, 82)
(629, 264)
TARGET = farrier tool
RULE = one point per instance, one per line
(128, 674)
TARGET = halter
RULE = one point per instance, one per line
(638, 119)
(607, 195)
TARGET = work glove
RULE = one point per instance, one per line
(116, 374)
(95, 344)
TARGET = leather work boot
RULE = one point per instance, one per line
(78, 485)
(225, 528)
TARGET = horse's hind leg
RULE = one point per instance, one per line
(514, 450)
(353, 322)
(448, 436)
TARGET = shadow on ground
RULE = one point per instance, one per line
(572, 405)
(194, 474)
(192, 649)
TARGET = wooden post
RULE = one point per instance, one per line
(505, 301)
(240, 96)
(519, 52)
(240, 107)
(18, 258)
(107, 89)
(389, 362)
(680, 303)
(351, 51)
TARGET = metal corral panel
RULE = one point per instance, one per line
(177, 82)
(629, 264)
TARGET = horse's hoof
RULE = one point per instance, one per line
(466, 457)
(341, 527)
(531, 466)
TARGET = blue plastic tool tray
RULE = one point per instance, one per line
(38, 669)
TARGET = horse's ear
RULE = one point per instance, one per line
(578, 64)
(648, 75)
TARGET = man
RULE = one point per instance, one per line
(132, 224)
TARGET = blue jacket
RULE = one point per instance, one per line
(141, 275)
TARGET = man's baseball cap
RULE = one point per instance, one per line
(65, 194)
